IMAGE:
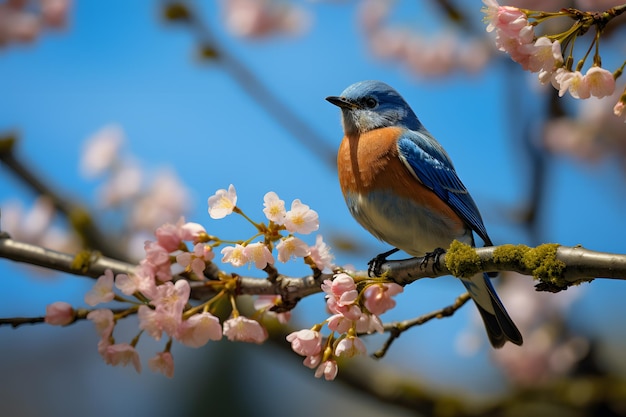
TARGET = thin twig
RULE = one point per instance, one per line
(395, 329)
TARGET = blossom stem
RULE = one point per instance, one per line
(255, 224)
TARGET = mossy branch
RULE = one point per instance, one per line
(555, 267)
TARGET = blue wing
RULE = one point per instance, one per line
(428, 161)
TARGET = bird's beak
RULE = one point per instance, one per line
(341, 102)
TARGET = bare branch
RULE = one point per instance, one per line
(397, 328)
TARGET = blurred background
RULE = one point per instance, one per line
(235, 95)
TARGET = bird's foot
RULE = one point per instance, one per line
(434, 257)
(373, 266)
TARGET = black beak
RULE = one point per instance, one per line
(341, 102)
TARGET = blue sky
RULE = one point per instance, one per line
(119, 63)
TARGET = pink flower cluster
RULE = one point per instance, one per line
(163, 304)
(261, 18)
(515, 35)
(300, 219)
(431, 56)
(19, 22)
(353, 313)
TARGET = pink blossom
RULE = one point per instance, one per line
(274, 208)
(320, 253)
(328, 369)
(339, 323)
(507, 19)
(102, 291)
(163, 362)
(572, 81)
(265, 302)
(301, 219)
(59, 314)
(168, 236)
(104, 321)
(150, 321)
(55, 12)
(222, 203)
(544, 55)
(600, 81)
(259, 254)
(165, 198)
(101, 150)
(350, 346)
(159, 258)
(342, 288)
(198, 329)
(235, 255)
(172, 296)
(121, 354)
(291, 247)
(305, 342)
(312, 361)
(341, 296)
(618, 110)
(378, 297)
(169, 304)
(140, 280)
(260, 18)
(243, 329)
(18, 26)
(369, 323)
(171, 236)
(197, 260)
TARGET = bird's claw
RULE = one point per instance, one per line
(376, 263)
(433, 256)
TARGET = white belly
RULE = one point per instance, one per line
(405, 225)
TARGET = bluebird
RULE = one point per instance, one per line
(399, 184)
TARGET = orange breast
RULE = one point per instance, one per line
(370, 162)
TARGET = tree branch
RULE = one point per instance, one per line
(577, 265)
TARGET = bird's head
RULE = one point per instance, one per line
(369, 105)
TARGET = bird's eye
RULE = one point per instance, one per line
(370, 103)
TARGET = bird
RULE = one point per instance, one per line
(400, 185)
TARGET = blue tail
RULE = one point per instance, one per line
(500, 328)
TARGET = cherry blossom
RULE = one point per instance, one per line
(259, 254)
(171, 236)
(235, 255)
(301, 219)
(101, 151)
(291, 247)
(378, 297)
(223, 202)
(163, 362)
(600, 81)
(350, 346)
(243, 329)
(59, 313)
(197, 260)
(305, 342)
(104, 321)
(102, 291)
(321, 255)
(121, 354)
(274, 208)
(328, 369)
(198, 329)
